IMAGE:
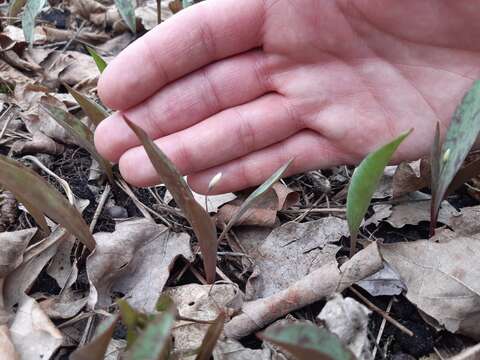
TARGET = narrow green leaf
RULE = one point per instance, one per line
(364, 182)
(461, 135)
(44, 198)
(164, 302)
(130, 320)
(14, 9)
(155, 342)
(211, 337)
(127, 12)
(95, 112)
(82, 134)
(31, 11)
(95, 350)
(307, 342)
(101, 64)
(197, 216)
(250, 200)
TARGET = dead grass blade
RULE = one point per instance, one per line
(197, 217)
(250, 200)
(82, 134)
(44, 199)
(94, 111)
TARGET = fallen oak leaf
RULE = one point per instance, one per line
(441, 275)
(317, 285)
(135, 260)
(197, 217)
(291, 252)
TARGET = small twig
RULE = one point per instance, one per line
(382, 313)
(314, 211)
(198, 275)
(380, 331)
(101, 204)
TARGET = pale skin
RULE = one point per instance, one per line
(242, 86)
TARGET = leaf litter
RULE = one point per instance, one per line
(278, 254)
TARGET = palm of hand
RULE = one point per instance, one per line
(322, 81)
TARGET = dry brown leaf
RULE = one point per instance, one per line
(61, 266)
(33, 333)
(202, 302)
(64, 306)
(13, 245)
(12, 76)
(85, 8)
(348, 319)
(441, 275)
(16, 34)
(291, 252)
(19, 281)
(386, 282)
(264, 211)
(229, 349)
(12, 58)
(410, 177)
(57, 35)
(40, 143)
(468, 222)
(135, 260)
(147, 13)
(318, 284)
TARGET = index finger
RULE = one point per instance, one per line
(199, 35)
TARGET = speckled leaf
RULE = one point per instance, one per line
(197, 217)
(101, 64)
(364, 182)
(31, 11)
(82, 134)
(127, 11)
(211, 337)
(307, 341)
(461, 135)
(95, 350)
(44, 198)
(155, 342)
(95, 112)
(250, 200)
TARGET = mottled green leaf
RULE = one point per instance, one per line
(250, 200)
(82, 134)
(197, 216)
(211, 337)
(307, 342)
(461, 135)
(31, 11)
(95, 349)
(155, 342)
(127, 12)
(363, 184)
(44, 199)
(95, 112)
(101, 64)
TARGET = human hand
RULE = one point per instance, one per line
(241, 86)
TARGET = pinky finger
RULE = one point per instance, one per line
(308, 149)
